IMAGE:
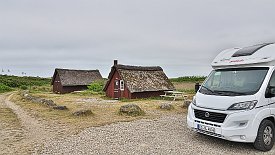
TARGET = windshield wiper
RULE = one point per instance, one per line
(221, 92)
(207, 89)
(230, 92)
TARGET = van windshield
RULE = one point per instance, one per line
(234, 82)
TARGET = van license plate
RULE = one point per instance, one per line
(206, 128)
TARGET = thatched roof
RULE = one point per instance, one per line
(77, 77)
(142, 79)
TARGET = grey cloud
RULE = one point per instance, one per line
(183, 36)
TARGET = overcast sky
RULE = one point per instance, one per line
(182, 36)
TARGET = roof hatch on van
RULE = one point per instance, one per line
(247, 51)
(257, 55)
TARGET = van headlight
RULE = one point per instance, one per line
(194, 101)
(249, 105)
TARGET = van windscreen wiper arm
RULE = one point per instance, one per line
(207, 89)
(231, 92)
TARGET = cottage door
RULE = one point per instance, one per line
(57, 87)
(116, 90)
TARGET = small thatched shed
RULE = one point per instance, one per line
(136, 82)
(67, 80)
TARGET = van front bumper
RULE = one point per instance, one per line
(237, 127)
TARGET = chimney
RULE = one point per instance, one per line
(115, 62)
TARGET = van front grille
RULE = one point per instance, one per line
(210, 116)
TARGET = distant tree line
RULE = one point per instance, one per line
(189, 79)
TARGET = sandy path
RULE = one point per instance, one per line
(36, 132)
(11, 132)
(30, 124)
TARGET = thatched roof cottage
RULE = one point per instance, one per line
(136, 82)
(67, 80)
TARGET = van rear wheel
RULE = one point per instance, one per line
(265, 138)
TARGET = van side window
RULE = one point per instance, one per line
(270, 91)
(272, 80)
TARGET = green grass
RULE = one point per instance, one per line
(188, 91)
(89, 93)
(189, 79)
(16, 81)
(9, 83)
(4, 88)
(140, 99)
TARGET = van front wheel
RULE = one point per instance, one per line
(265, 138)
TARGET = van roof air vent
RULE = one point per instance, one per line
(247, 51)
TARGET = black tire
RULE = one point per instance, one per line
(265, 138)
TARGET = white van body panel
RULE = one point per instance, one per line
(231, 129)
(220, 102)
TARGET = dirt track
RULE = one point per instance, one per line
(31, 133)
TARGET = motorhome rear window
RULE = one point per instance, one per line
(248, 50)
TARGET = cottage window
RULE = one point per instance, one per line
(121, 85)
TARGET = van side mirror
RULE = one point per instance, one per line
(197, 87)
(270, 92)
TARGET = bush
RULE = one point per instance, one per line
(97, 86)
(4, 88)
(23, 87)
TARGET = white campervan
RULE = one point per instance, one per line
(237, 101)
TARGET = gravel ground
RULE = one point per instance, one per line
(167, 135)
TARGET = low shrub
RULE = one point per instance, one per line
(23, 87)
(97, 86)
(4, 88)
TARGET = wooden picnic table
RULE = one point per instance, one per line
(174, 95)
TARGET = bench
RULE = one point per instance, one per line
(174, 94)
